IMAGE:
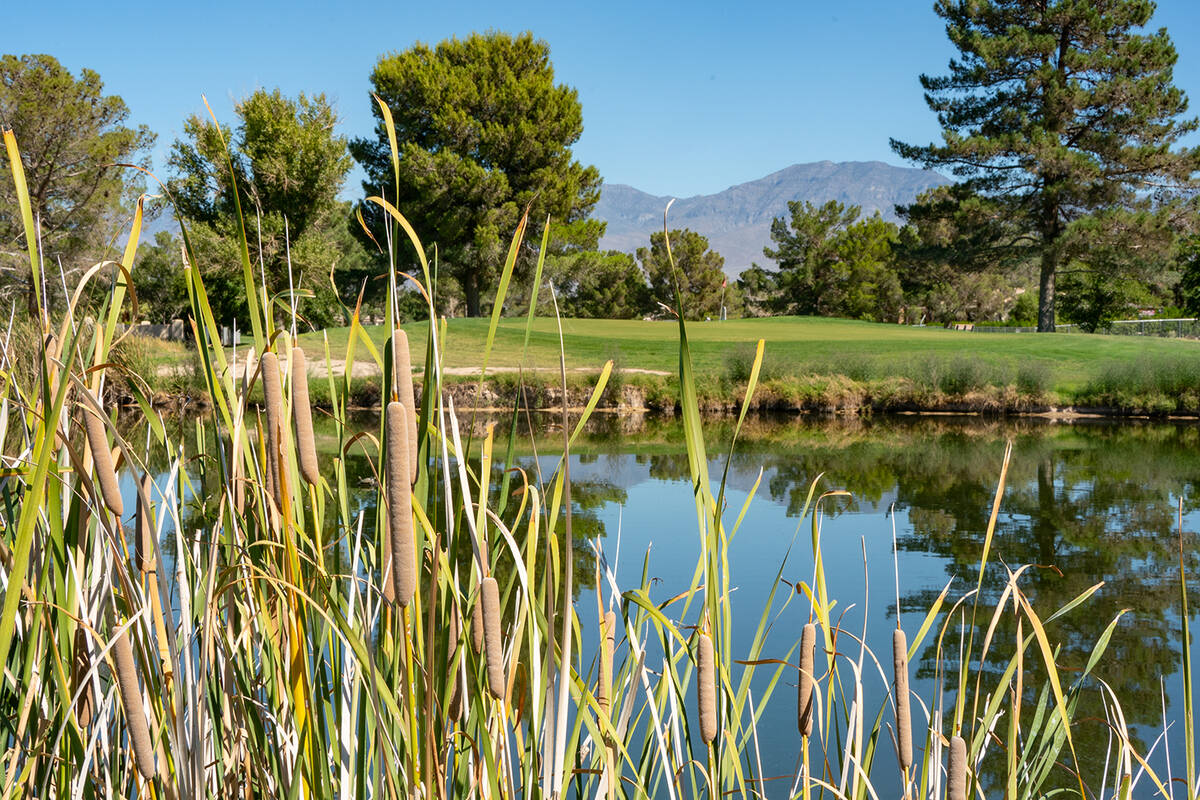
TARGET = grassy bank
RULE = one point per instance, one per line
(814, 364)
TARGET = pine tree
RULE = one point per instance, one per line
(1060, 116)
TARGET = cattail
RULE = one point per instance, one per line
(477, 625)
(402, 365)
(273, 392)
(454, 706)
(306, 445)
(399, 492)
(102, 456)
(144, 528)
(493, 646)
(706, 688)
(957, 769)
(131, 703)
(903, 713)
(804, 695)
(607, 647)
(81, 665)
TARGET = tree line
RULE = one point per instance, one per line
(1073, 200)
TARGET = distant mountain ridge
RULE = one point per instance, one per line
(737, 221)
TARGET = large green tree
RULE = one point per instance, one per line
(832, 263)
(71, 137)
(483, 132)
(1053, 111)
(699, 270)
(594, 284)
(288, 166)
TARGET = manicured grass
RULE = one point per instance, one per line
(796, 345)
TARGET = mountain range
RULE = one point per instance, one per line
(737, 221)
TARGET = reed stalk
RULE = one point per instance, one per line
(144, 527)
(608, 629)
(273, 394)
(402, 366)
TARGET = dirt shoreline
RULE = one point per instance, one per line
(634, 400)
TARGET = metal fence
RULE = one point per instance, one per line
(1170, 328)
(1188, 328)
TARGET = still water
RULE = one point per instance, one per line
(1086, 502)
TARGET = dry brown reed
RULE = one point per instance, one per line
(273, 393)
(402, 365)
(804, 694)
(706, 687)
(493, 645)
(903, 710)
(399, 492)
(102, 457)
(306, 443)
(607, 647)
(144, 527)
(477, 626)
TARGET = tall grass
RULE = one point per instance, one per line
(299, 646)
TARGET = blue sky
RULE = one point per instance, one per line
(678, 99)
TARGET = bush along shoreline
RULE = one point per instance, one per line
(1130, 391)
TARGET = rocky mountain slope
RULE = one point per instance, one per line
(737, 221)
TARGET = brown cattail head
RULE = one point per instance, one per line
(477, 625)
(454, 707)
(306, 443)
(106, 476)
(493, 645)
(273, 392)
(903, 711)
(402, 365)
(956, 788)
(131, 703)
(144, 524)
(804, 695)
(608, 633)
(80, 666)
(706, 687)
(399, 496)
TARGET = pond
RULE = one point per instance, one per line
(1086, 502)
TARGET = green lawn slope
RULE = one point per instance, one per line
(1065, 363)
